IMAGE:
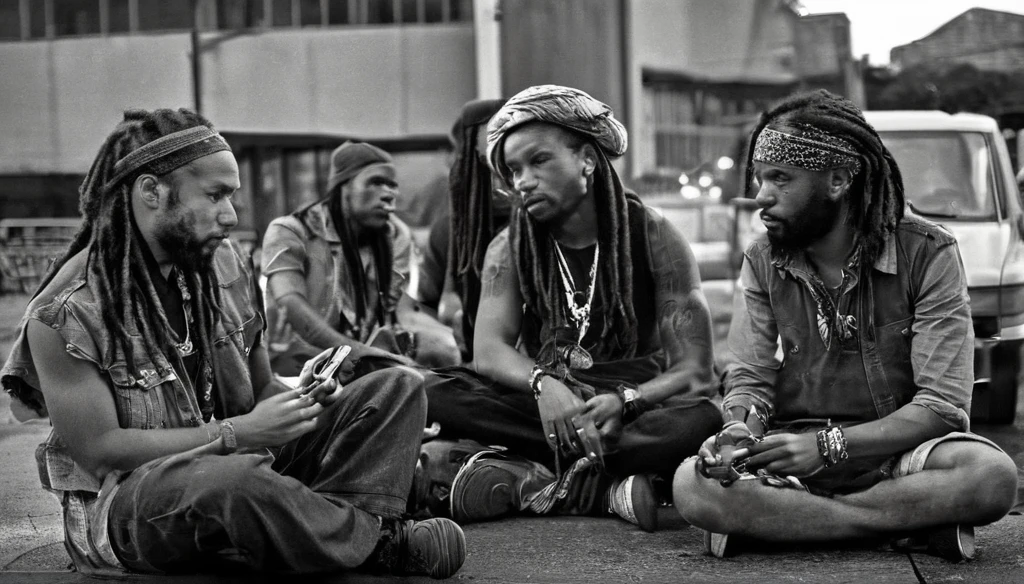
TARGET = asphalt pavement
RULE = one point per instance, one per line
(542, 550)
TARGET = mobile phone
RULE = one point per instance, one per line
(328, 367)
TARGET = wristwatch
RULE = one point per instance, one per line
(633, 403)
(227, 436)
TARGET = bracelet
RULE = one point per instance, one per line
(535, 377)
(832, 446)
(227, 436)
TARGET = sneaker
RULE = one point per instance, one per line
(954, 543)
(490, 485)
(715, 544)
(435, 548)
(632, 499)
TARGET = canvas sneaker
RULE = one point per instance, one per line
(434, 547)
(633, 499)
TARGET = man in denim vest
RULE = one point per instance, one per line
(849, 385)
(174, 449)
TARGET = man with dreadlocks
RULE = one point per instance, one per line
(848, 393)
(614, 379)
(449, 277)
(173, 448)
(337, 270)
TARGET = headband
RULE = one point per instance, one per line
(813, 149)
(169, 152)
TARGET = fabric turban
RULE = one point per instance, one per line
(554, 104)
(350, 158)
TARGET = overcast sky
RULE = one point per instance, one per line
(879, 25)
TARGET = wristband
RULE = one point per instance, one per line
(535, 374)
(227, 436)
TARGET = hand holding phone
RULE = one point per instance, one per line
(325, 369)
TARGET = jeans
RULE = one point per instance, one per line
(312, 506)
(469, 406)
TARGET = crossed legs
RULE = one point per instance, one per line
(962, 482)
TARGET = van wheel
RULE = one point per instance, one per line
(996, 403)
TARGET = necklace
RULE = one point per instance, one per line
(578, 304)
(185, 348)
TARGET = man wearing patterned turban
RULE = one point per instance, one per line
(593, 362)
(857, 425)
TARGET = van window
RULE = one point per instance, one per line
(946, 174)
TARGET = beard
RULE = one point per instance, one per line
(808, 225)
(175, 235)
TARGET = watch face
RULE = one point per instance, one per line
(630, 394)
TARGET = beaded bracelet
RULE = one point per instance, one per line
(832, 446)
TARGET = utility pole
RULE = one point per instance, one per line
(197, 65)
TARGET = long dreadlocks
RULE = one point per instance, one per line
(540, 283)
(474, 219)
(116, 264)
(879, 208)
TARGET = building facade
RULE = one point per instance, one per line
(288, 80)
(988, 39)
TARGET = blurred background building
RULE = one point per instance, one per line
(288, 80)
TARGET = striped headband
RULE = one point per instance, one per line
(169, 152)
(813, 149)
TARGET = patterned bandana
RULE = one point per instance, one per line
(562, 106)
(813, 150)
(169, 152)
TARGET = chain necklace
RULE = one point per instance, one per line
(203, 384)
(578, 304)
(185, 348)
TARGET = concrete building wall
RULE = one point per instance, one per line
(372, 82)
(987, 39)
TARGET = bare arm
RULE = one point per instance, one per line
(288, 288)
(83, 413)
(499, 318)
(684, 320)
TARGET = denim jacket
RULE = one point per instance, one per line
(148, 396)
(913, 341)
(312, 247)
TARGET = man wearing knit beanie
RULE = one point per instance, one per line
(338, 269)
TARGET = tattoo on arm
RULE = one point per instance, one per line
(497, 272)
(684, 324)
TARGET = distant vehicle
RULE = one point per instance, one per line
(956, 172)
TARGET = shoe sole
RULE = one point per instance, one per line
(954, 543)
(450, 542)
(490, 505)
(645, 505)
(715, 544)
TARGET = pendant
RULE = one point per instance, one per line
(577, 357)
(185, 349)
(579, 299)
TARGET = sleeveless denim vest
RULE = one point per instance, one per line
(149, 395)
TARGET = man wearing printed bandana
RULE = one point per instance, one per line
(849, 385)
(174, 448)
(593, 364)
(337, 272)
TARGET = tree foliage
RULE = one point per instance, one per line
(960, 87)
